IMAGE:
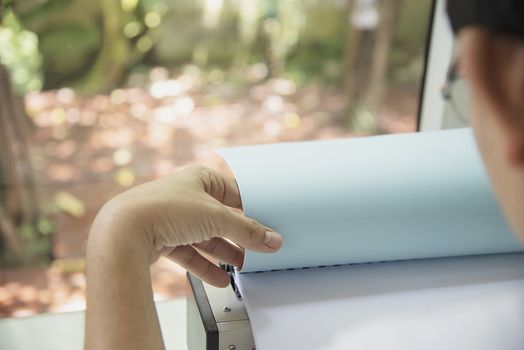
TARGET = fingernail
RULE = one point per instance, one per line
(272, 239)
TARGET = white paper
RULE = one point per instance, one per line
(384, 198)
(367, 199)
(466, 303)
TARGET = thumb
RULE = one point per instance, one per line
(250, 234)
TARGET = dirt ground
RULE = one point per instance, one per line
(87, 149)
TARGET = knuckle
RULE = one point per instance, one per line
(239, 256)
(196, 169)
(210, 246)
(207, 272)
(218, 218)
(204, 175)
(190, 258)
(252, 230)
(217, 211)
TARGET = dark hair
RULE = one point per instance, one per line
(497, 16)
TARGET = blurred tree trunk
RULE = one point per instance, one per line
(379, 63)
(18, 202)
(372, 25)
(358, 53)
(115, 54)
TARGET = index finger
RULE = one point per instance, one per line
(219, 186)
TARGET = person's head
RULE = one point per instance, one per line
(490, 38)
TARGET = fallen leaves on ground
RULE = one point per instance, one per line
(86, 149)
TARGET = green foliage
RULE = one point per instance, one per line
(45, 227)
(37, 245)
(31, 9)
(362, 120)
(94, 44)
(5, 5)
(76, 43)
(19, 53)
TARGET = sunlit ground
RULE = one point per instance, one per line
(87, 149)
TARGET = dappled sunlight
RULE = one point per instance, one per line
(168, 86)
(134, 135)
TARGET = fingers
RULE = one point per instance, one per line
(249, 233)
(221, 187)
(223, 250)
(226, 223)
(187, 257)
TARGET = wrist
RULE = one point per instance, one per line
(120, 309)
(116, 235)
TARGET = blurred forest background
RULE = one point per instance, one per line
(100, 95)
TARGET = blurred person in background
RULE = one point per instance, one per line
(189, 212)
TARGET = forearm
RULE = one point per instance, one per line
(120, 310)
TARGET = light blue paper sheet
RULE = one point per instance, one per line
(379, 198)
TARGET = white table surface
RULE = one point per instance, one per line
(66, 330)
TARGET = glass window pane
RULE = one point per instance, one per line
(116, 93)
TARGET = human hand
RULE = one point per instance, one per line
(184, 213)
